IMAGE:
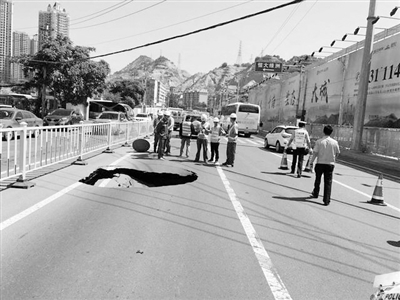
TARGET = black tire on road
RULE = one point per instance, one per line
(278, 147)
(266, 146)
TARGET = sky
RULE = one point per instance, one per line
(297, 29)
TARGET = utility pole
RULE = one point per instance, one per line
(43, 92)
(364, 77)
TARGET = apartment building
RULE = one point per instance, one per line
(21, 46)
(52, 22)
(5, 40)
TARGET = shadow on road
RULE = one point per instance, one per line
(301, 199)
(394, 243)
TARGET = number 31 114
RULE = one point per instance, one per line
(387, 72)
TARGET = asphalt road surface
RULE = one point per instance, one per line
(248, 232)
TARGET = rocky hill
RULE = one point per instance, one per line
(165, 71)
(161, 69)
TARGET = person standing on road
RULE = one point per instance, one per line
(162, 131)
(301, 140)
(155, 122)
(185, 132)
(196, 125)
(326, 150)
(216, 132)
(202, 139)
(171, 122)
(232, 135)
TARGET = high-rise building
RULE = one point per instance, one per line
(5, 40)
(52, 22)
(156, 93)
(195, 99)
(34, 44)
(21, 46)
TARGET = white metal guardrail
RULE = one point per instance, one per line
(26, 149)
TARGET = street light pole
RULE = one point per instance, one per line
(364, 77)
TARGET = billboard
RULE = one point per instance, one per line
(383, 105)
(290, 98)
(323, 94)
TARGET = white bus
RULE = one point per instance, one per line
(248, 117)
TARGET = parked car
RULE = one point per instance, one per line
(111, 116)
(143, 117)
(5, 106)
(62, 116)
(13, 117)
(279, 137)
(108, 117)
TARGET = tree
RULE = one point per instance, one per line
(131, 92)
(66, 71)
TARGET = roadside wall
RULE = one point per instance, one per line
(326, 93)
(383, 141)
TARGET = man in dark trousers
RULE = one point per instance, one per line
(301, 140)
(232, 135)
(325, 151)
(162, 132)
(170, 128)
(155, 122)
(185, 132)
(202, 139)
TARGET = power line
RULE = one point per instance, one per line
(107, 10)
(295, 26)
(168, 26)
(117, 19)
(280, 28)
(122, 4)
(186, 34)
(201, 30)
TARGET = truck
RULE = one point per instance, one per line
(177, 114)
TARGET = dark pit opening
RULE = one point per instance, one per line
(150, 179)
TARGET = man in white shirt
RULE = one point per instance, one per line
(325, 151)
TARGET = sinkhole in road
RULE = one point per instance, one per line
(124, 177)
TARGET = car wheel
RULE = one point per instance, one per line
(278, 147)
(266, 146)
(33, 132)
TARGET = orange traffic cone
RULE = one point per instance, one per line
(377, 197)
(309, 165)
(284, 165)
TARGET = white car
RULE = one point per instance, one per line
(279, 137)
(116, 117)
(143, 117)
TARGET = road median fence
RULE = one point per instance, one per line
(26, 149)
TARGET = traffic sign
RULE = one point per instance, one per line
(265, 66)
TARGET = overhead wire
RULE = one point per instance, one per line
(107, 10)
(280, 28)
(117, 19)
(186, 34)
(200, 30)
(295, 26)
(87, 15)
(179, 23)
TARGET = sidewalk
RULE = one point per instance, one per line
(371, 163)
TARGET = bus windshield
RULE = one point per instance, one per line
(249, 108)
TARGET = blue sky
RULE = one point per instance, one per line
(294, 30)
